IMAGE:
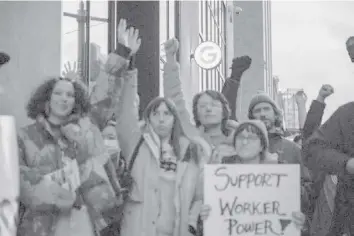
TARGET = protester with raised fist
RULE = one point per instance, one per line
(211, 110)
(232, 84)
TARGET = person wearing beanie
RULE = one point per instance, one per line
(251, 144)
(263, 108)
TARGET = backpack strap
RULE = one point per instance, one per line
(135, 153)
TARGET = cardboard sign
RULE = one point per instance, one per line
(251, 200)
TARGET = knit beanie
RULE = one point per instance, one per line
(258, 124)
(259, 98)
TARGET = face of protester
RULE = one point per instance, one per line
(350, 49)
(209, 111)
(162, 121)
(110, 138)
(248, 145)
(62, 100)
(264, 111)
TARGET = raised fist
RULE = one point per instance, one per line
(240, 65)
(171, 47)
(300, 97)
(325, 91)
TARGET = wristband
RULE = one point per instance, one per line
(123, 51)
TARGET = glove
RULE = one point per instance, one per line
(240, 65)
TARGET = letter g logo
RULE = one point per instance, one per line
(208, 55)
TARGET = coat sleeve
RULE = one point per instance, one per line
(230, 91)
(326, 149)
(96, 189)
(31, 193)
(173, 90)
(128, 127)
(197, 201)
(313, 118)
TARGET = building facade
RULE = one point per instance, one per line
(252, 36)
(84, 32)
(290, 109)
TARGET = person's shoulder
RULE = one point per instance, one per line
(347, 108)
(29, 129)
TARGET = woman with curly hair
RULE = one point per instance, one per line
(64, 188)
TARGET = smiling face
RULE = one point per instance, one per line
(62, 100)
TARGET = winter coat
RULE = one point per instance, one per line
(328, 151)
(41, 153)
(142, 208)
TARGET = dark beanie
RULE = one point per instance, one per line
(4, 58)
(259, 98)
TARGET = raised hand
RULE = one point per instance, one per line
(70, 72)
(171, 47)
(300, 98)
(128, 37)
(122, 32)
(134, 41)
(240, 65)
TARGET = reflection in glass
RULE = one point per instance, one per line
(69, 40)
(98, 47)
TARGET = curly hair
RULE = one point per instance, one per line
(37, 102)
(215, 95)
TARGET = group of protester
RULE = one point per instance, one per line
(145, 176)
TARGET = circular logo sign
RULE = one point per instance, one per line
(208, 55)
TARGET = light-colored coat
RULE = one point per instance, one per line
(141, 211)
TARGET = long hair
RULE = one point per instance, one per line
(37, 103)
(215, 95)
(177, 130)
(254, 130)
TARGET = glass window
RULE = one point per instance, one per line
(99, 9)
(171, 18)
(85, 36)
(212, 28)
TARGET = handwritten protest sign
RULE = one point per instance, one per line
(251, 199)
